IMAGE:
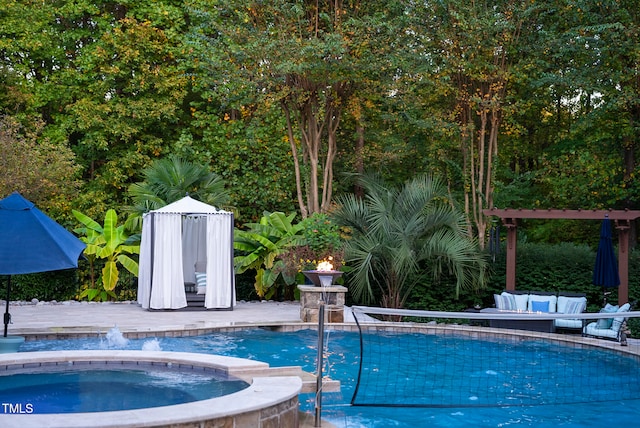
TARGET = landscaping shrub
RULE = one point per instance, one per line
(46, 286)
(563, 267)
(555, 268)
(245, 289)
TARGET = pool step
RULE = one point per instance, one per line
(308, 379)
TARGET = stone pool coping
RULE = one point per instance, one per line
(269, 399)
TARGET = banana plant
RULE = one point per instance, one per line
(111, 243)
(261, 244)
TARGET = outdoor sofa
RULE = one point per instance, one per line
(543, 302)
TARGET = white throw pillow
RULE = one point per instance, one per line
(201, 282)
(520, 299)
(505, 302)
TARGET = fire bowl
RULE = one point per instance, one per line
(322, 278)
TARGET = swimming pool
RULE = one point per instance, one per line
(299, 348)
(108, 387)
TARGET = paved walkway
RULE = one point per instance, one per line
(90, 318)
(79, 318)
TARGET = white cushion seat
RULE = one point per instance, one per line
(570, 305)
(592, 330)
(568, 323)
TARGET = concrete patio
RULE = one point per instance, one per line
(44, 318)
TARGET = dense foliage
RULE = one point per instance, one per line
(43, 172)
(531, 104)
(169, 179)
(259, 247)
(46, 286)
(555, 268)
(111, 246)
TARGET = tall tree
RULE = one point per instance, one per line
(591, 64)
(105, 76)
(309, 58)
(472, 46)
(128, 93)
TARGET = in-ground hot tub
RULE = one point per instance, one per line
(266, 399)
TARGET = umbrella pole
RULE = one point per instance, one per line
(7, 315)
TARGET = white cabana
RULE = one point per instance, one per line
(175, 240)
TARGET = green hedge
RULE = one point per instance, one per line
(46, 286)
(556, 268)
(559, 268)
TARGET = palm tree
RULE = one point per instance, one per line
(170, 179)
(402, 235)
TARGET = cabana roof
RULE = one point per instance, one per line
(188, 205)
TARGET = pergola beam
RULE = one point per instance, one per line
(621, 218)
(563, 214)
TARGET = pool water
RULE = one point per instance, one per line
(98, 389)
(342, 361)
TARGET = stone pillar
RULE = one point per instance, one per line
(310, 298)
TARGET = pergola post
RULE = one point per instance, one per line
(512, 242)
(623, 228)
(622, 220)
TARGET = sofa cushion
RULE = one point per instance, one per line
(593, 330)
(520, 300)
(499, 300)
(574, 307)
(536, 298)
(571, 305)
(617, 321)
(604, 323)
(537, 306)
(505, 302)
(568, 323)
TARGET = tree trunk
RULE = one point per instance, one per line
(359, 161)
(296, 162)
(333, 122)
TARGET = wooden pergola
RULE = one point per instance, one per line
(621, 218)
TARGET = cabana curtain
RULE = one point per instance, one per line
(218, 273)
(167, 274)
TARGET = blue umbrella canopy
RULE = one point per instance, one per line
(32, 242)
(605, 271)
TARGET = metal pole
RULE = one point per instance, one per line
(7, 315)
(320, 361)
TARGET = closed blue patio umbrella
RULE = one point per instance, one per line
(605, 271)
(31, 242)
